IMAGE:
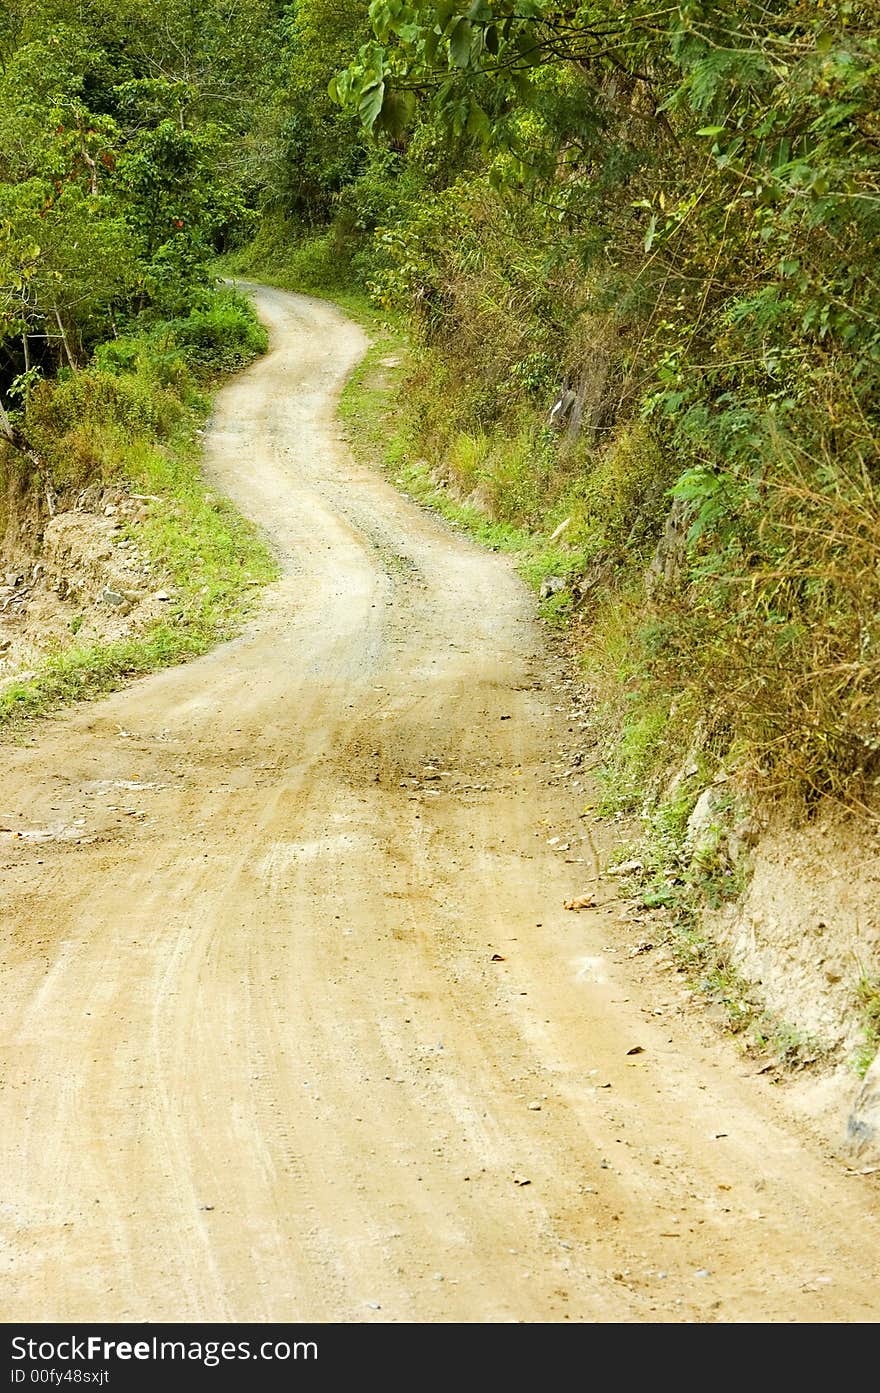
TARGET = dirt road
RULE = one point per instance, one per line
(295, 1025)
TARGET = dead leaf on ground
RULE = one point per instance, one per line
(580, 902)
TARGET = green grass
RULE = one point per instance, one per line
(214, 555)
(868, 1006)
(306, 268)
(370, 411)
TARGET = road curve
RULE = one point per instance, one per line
(294, 1024)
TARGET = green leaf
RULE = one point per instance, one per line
(478, 123)
(522, 86)
(397, 113)
(370, 104)
(432, 43)
(529, 50)
(382, 18)
(460, 43)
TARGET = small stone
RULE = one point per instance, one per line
(113, 597)
(625, 868)
(863, 1124)
(551, 585)
(534, 1107)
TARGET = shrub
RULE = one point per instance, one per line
(219, 335)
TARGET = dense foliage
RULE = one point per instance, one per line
(123, 168)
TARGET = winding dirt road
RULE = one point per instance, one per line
(295, 1026)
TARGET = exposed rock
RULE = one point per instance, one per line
(562, 409)
(704, 827)
(807, 928)
(14, 678)
(114, 598)
(670, 557)
(863, 1124)
(80, 539)
(743, 838)
(76, 577)
(595, 576)
(551, 585)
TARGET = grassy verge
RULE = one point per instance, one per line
(376, 425)
(677, 883)
(307, 267)
(136, 427)
(868, 1006)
